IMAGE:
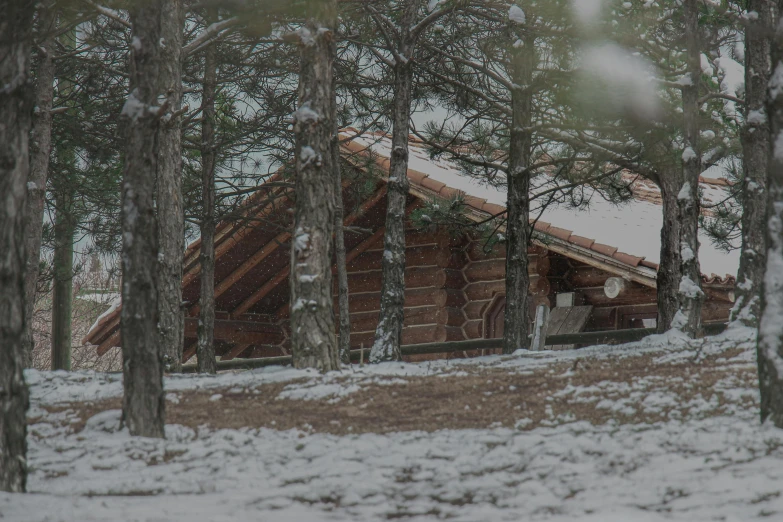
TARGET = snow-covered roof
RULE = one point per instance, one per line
(627, 231)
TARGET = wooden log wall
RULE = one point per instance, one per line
(434, 295)
(451, 285)
(634, 301)
(485, 274)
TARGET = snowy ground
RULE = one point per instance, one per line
(678, 441)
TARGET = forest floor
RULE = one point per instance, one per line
(662, 429)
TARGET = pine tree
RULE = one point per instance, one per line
(64, 230)
(401, 27)
(755, 145)
(313, 339)
(143, 401)
(206, 349)
(171, 213)
(40, 151)
(507, 71)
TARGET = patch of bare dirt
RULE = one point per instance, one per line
(485, 397)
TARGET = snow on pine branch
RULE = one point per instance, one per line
(516, 14)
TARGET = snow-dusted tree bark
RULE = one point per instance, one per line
(770, 339)
(171, 215)
(313, 340)
(516, 322)
(680, 296)
(40, 148)
(755, 145)
(669, 271)
(691, 296)
(143, 402)
(205, 350)
(344, 339)
(388, 334)
(16, 18)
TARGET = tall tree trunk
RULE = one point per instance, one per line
(516, 322)
(205, 348)
(669, 271)
(313, 339)
(388, 334)
(16, 19)
(143, 401)
(40, 149)
(62, 294)
(342, 271)
(344, 339)
(770, 339)
(171, 215)
(755, 147)
(691, 296)
(64, 231)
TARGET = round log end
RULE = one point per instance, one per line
(614, 287)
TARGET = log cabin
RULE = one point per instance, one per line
(599, 258)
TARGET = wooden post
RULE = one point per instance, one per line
(539, 328)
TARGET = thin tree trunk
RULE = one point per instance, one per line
(388, 333)
(62, 291)
(516, 322)
(770, 339)
(691, 296)
(64, 231)
(143, 402)
(755, 147)
(16, 19)
(669, 270)
(205, 349)
(171, 216)
(342, 271)
(344, 339)
(40, 149)
(313, 340)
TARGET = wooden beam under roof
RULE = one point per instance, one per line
(234, 236)
(106, 331)
(281, 276)
(270, 247)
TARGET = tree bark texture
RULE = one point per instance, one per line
(313, 339)
(171, 214)
(143, 401)
(40, 149)
(755, 147)
(344, 339)
(388, 333)
(669, 270)
(62, 285)
(64, 231)
(205, 349)
(691, 296)
(770, 338)
(16, 18)
(516, 323)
